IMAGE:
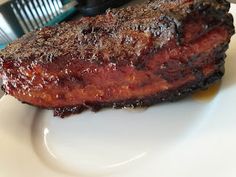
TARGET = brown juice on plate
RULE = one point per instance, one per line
(209, 94)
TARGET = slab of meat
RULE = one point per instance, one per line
(158, 51)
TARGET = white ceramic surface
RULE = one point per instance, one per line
(190, 138)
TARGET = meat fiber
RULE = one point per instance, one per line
(158, 51)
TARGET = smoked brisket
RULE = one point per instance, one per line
(161, 50)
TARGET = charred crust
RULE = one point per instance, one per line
(167, 96)
(3, 88)
(87, 38)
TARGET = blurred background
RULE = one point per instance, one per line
(18, 17)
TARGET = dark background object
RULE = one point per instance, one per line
(94, 7)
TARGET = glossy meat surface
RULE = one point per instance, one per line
(154, 52)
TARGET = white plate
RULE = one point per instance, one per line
(190, 138)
